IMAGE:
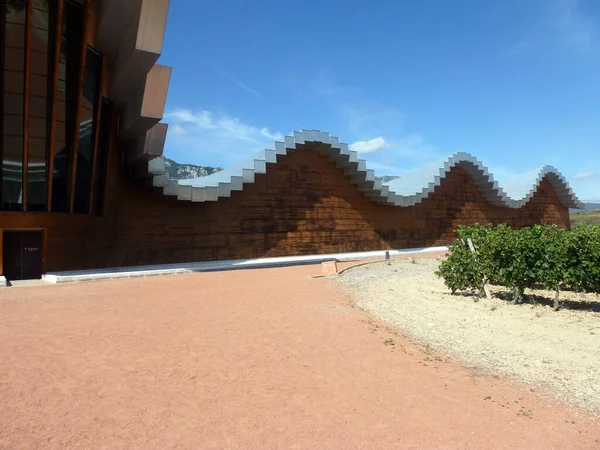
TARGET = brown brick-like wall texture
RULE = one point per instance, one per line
(302, 205)
(305, 205)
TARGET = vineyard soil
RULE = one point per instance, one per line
(557, 353)
(585, 217)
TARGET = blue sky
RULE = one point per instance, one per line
(515, 82)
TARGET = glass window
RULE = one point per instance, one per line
(13, 68)
(87, 130)
(104, 139)
(66, 114)
(40, 80)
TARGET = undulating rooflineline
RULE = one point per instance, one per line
(407, 190)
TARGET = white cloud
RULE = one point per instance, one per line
(370, 146)
(208, 138)
(177, 129)
(361, 117)
(202, 119)
(224, 125)
(584, 175)
(397, 156)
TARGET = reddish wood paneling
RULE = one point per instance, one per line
(303, 205)
(72, 241)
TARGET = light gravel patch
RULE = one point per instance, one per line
(558, 352)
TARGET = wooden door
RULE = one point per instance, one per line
(31, 255)
(22, 255)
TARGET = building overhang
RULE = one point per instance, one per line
(130, 35)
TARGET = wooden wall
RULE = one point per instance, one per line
(303, 205)
(74, 241)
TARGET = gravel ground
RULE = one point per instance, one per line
(248, 359)
(558, 352)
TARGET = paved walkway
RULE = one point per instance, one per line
(266, 358)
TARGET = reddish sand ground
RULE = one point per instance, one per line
(246, 359)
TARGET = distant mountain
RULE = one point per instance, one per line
(591, 206)
(187, 171)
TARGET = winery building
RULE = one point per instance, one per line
(83, 183)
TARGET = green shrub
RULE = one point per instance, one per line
(460, 269)
(584, 259)
(520, 259)
(557, 266)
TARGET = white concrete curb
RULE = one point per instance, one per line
(211, 266)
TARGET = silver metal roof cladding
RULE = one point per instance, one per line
(407, 190)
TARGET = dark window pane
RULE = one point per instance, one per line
(105, 128)
(68, 72)
(42, 42)
(12, 98)
(87, 130)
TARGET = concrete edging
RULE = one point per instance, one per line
(212, 266)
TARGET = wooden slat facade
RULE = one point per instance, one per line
(303, 205)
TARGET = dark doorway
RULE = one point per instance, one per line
(22, 255)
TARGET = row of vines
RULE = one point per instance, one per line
(535, 257)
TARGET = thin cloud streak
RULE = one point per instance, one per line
(243, 86)
(223, 124)
(585, 175)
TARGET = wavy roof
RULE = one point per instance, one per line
(407, 190)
